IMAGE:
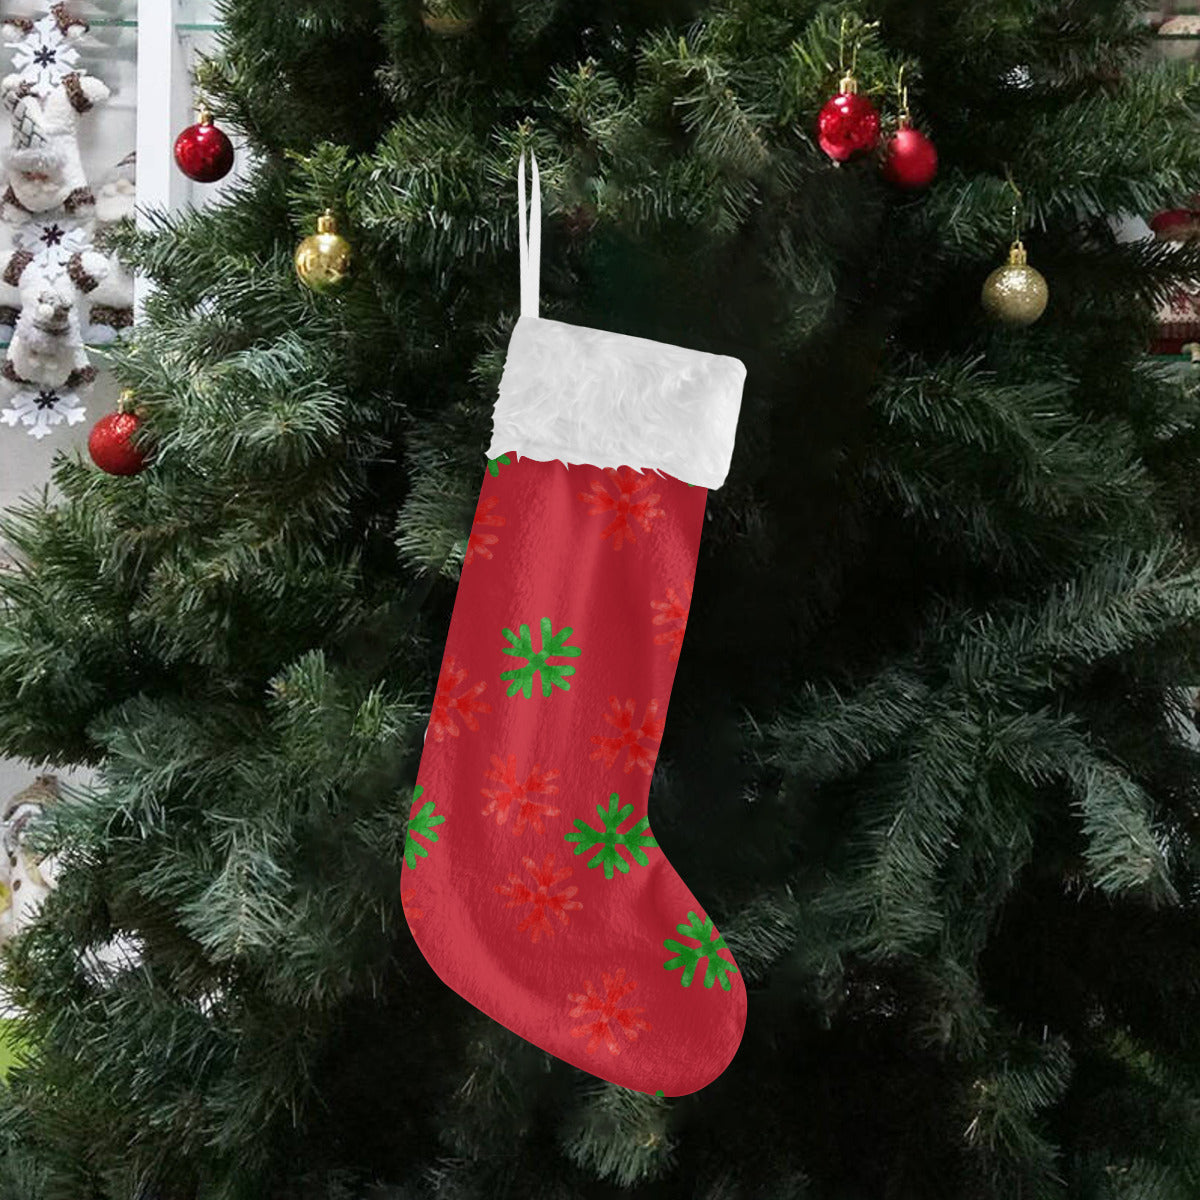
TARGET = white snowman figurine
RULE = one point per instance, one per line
(26, 878)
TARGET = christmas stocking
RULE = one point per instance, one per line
(533, 882)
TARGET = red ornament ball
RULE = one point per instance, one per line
(909, 159)
(111, 444)
(204, 152)
(1173, 224)
(848, 124)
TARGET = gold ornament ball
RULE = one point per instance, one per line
(449, 18)
(1015, 293)
(324, 258)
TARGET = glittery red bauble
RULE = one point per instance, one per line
(204, 152)
(847, 125)
(909, 159)
(111, 447)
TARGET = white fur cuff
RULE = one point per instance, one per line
(588, 396)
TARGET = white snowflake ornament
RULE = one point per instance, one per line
(41, 409)
(43, 54)
(53, 239)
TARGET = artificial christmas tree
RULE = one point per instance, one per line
(927, 766)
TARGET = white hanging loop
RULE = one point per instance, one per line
(529, 238)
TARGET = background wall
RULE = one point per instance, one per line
(107, 136)
(175, 31)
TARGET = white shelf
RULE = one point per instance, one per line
(171, 34)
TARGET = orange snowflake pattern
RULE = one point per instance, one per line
(672, 609)
(544, 899)
(445, 705)
(407, 899)
(519, 793)
(481, 543)
(630, 737)
(605, 1011)
(623, 506)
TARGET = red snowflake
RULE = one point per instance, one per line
(607, 1011)
(544, 899)
(512, 791)
(406, 902)
(481, 543)
(630, 737)
(622, 505)
(672, 609)
(441, 719)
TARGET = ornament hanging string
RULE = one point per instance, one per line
(861, 28)
(842, 51)
(1018, 222)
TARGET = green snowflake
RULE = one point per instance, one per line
(610, 838)
(420, 824)
(688, 957)
(494, 464)
(551, 674)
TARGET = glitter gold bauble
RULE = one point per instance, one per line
(323, 259)
(449, 18)
(1015, 293)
